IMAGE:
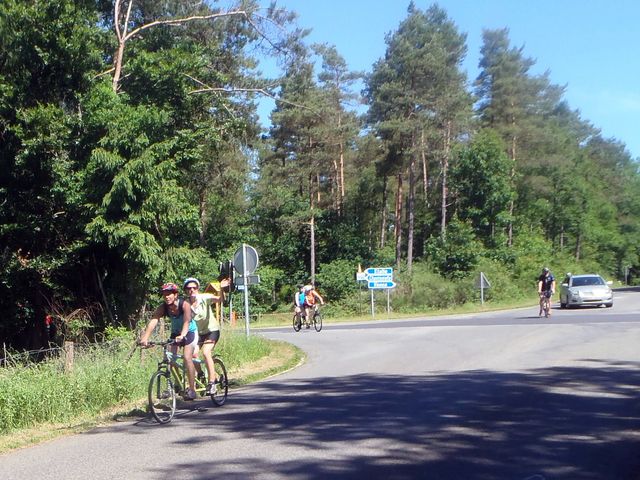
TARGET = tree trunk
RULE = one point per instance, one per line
(512, 203)
(122, 40)
(342, 192)
(425, 167)
(445, 187)
(398, 224)
(383, 222)
(313, 248)
(312, 252)
(335, 187)
(202, 207)
(411, 209)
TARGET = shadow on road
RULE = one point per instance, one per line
(556, 423)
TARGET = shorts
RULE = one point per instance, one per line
(209, 337)
(547, 293)
(191, 338)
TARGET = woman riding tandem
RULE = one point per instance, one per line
(208, 325)
(183, 329)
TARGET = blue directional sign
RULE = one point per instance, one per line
(380, 277)
(379, 271)
(383, 284)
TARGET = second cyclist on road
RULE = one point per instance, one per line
(546, 289)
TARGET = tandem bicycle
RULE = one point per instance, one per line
(300, 319)
(170, 380)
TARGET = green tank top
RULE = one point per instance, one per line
(178, 320)
(203, 311)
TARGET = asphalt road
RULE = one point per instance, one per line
(491, 396)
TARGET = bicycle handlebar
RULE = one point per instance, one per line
(154, 344)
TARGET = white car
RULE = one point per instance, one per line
(578, 290)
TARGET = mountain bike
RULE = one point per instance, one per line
(170, 380)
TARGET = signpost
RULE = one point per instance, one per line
(377, 279)
(482, 282)
(245, 261)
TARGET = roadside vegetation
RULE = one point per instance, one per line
(40, 400)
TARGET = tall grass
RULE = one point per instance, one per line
(102, 377)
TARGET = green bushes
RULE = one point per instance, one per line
(428, 291)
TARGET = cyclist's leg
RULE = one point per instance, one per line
(207, 349)
(192, 339)
(541, 302)
(307, 315)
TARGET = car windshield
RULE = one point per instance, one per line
(582, 281)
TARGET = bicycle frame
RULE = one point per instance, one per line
(170, 379)
(174, 363)
(178, 370)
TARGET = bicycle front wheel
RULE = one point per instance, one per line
(317, 321)
(297, 323)
(162, 397)
(221, 387)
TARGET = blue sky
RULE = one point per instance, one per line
(591, 46)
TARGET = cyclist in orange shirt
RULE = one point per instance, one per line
(310, 298)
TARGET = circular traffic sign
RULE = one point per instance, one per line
(245, 264)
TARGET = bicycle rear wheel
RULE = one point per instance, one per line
(162, 397)
(221, 387)
(317, 321)
(297, 322)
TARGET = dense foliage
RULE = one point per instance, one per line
(131, 154)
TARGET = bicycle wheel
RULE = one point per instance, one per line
(317, 321)
(219, 393)
(297, 323)
(162, 397)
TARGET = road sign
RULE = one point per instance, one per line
(361, 276)
(247, 263)
(382, 284)
(482, 281)
(251, 280)
(380, 277)
(386, 271)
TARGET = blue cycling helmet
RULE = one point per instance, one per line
(190, 280)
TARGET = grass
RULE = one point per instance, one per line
(42, 401)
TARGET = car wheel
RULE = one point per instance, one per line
(563, 305)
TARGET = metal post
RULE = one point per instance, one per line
(373, 310)
(388, 309)
(246, 288)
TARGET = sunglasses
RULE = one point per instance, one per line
(191, 288)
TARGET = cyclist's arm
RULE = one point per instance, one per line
(539, 286)
(553, 287)
(157, 315)
(317, 295)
